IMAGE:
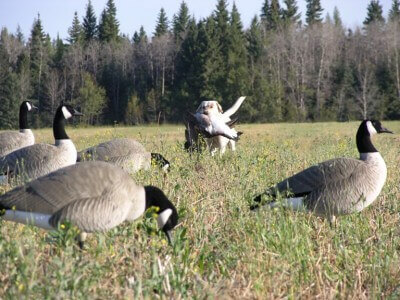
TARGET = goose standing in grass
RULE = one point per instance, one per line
(338, 186)
(126, 153)
(14, 140)
(94, 196)
(40, 159)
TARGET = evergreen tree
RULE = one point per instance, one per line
(59, 52)
(90, 23)
(162, 24)
(254, 41)
(19, 34)
(265, 11)
(75, 31)
(188, 73)
(109, 25)
(180, 21)
(140, 56)
(336, 17)
(328, 19)
(274, 18)
(140, 37)
(291, 14)
(37, 55)
(236, 64)
(221, 22)
(374, 13)
(314, 12)
(9, 97)
(394, 13)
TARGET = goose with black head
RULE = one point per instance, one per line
(94, 196)
(14, 140)
(40, 159)
(338, 186)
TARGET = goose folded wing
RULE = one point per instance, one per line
(50, 193)
(112, 150)
(9, 141)
(94, 214)
(318, 176)
(28, 158)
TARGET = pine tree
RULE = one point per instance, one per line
(162, 24)
(254, 41)
(274, 19)
(90, 23)
(180, 21)
(37, 47)
(290, 14)
(328, 19)
(75, 31)
(221, 21)
(59, 52)
(236, 64)
(314, 12)
(40, 49)
(140, 37)
(19, 34)
(394, 13)
(9, 96)
(109, 25)
(336, 17)
(374, 13)
(141, 56)
(265, 11)
(186, 86)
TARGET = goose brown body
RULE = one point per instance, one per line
(95, 196)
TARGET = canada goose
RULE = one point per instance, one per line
(40, 159)
(211, 125)
(338, 186)
(14, 140)
(127, 153)
(94, 196)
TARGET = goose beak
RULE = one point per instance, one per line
(385, 130)
(169, 236)
(35, 108)
(77, 113)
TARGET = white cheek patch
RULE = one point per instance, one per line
(164, 217)
(66, 113)
(29, 106)
(165, 168)
(371, 128)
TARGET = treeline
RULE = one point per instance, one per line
(290, 71)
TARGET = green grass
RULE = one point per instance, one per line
(221, 250)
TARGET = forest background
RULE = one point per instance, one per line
(291, 70)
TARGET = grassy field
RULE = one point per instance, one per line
(221, 249)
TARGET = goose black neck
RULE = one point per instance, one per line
(363, 138)
(156, 197)
(59, 126)
(159, 159)
(23, 116)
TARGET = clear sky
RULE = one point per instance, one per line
(56, 15)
